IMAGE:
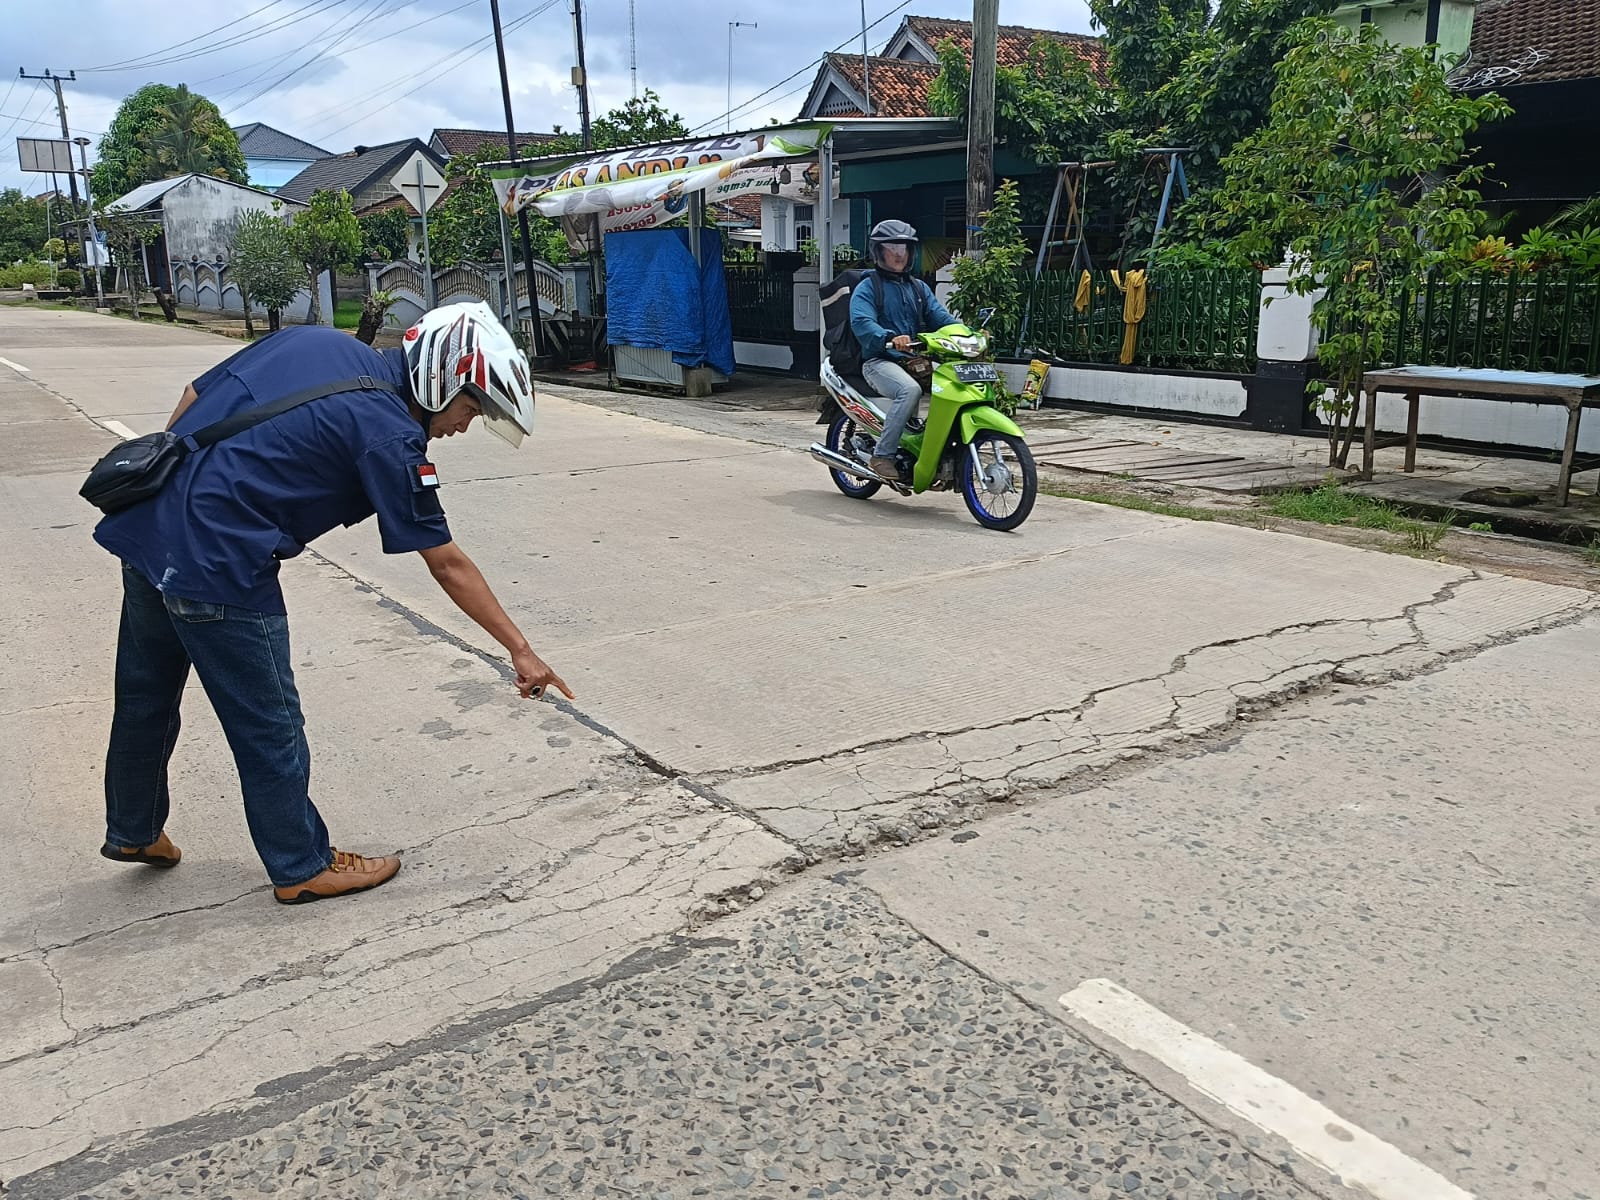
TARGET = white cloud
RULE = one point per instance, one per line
(316, 69)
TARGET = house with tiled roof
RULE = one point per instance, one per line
(273, 157)
(927, 188)
(364, 173)
(451, 142)
(1543, 56)
(901, 75)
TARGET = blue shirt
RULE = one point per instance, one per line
(907, 306)
(218, 529)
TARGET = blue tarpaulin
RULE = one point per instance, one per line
(657, 298)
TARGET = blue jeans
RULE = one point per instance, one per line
(902, 393)
(242, 658)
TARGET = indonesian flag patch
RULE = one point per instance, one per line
(427, 475)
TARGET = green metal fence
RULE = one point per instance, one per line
(1523, 321)
(1201, 320)
(761, 302)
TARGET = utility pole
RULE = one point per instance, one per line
(727, 121)
(980, 116)
(866, 71)
(536, 326)
(633, 50)
(580, 79)
(61, 108)
(94, 234)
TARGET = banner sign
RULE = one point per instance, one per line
(644, 186)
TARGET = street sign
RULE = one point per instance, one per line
(45, 155)
(419, 182)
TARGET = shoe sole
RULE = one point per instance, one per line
(107, 851)
(313, 897)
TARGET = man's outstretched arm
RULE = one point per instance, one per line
(188, 398)
(461, 580)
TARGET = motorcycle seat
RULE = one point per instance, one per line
(859, 383)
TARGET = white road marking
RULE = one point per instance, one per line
(16, 366)
(1358, 1157)
(118, 428)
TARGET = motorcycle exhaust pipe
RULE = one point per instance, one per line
(839, 462)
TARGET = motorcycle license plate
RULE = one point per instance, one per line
(977, 373)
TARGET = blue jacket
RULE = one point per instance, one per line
(231, 512)
(908, 306)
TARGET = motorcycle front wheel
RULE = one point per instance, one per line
(840, 432)
(1001, 486)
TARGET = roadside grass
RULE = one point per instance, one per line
(347, 314)
(1326, 505)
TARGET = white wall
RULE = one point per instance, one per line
(1138, 389)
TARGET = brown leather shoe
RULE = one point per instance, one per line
(161, 853)
(350, 873)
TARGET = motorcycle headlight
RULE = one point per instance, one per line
(971, 347)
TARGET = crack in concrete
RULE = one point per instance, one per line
(659, 462)
(1180, 663)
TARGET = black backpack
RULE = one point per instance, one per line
(838, 339)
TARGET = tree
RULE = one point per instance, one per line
(1193, 73)
(465, 225)
(22, 226)
(1357, 178)
(640, 120)
(386, 235)
(325, 237)
(127, 234)
(161, 131)
(993, 278)
(265, 265)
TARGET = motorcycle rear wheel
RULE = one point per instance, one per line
(840, 432)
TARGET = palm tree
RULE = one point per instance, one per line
(182, 144)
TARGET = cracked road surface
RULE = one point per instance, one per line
(773, 679)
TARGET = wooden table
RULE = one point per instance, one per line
(1576, 392)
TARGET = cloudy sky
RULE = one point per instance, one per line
(345, 72)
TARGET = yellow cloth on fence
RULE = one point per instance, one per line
(1135, 301)
(1081, 300)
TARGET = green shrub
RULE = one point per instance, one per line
(36, 273)
(68, 278)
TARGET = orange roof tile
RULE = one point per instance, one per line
(899, 88)
(1015, 41)
(1533, 41)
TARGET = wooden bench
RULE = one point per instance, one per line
(1576, 392)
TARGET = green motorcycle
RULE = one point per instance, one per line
(965, 443)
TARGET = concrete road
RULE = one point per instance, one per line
(769, 676)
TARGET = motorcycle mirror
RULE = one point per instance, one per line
(985, 315)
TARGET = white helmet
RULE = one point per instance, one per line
(463, 347)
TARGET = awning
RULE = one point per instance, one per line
(655, 181)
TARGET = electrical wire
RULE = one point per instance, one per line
(249, 35)
(354, 22)
(445, 64)
(136, 62)
(728, 116)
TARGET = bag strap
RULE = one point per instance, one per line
(239, 422)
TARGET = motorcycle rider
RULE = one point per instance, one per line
(886, 308)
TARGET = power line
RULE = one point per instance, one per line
(368, 13)
(267, 68)
(136, 61)
(24, 106)
(444, 65)
(150, 62)
(809, 66)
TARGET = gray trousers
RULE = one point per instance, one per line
(901, 394)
